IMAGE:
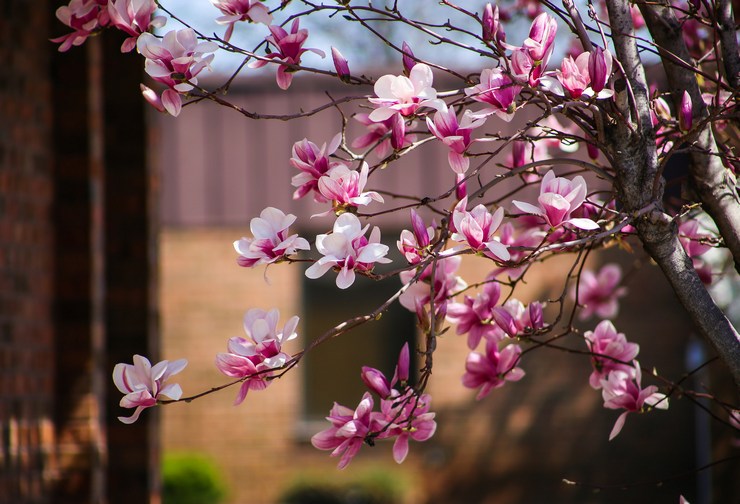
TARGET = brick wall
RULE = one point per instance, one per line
(26, 257)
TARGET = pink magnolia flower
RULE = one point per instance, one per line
(270, 240)
(477, 228)
(574, 74)
(399, 97)
(376, 381)
(345, 187)
(404, 417)
(446, 284)
(493, 30)
(620, 391)
(313, 162)
(559, 197)
(382, 136)
(606, 345)
(348, 431)
(477, 316)
(347, 249)
(254, 356)
(414, 245)
(134, 17)
(143, 384)
(492, 370)
(241, 10)
(456, 136)
(85, 17)
(524, 68)
(289, 51)
(175, 61)
(541, 40)
(599, 70)
(598, 293)
(497, 91)
(398, 94)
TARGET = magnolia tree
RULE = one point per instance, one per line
(590, 111)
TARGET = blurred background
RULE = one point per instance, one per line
(116, 231)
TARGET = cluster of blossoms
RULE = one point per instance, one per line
(403, 415)
(404, 108)
(255, 357)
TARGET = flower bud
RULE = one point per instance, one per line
(340, 63)
(598, 68)
(489, 22)
(505, 321)
(461, 189)
(408, 58)
(151, 97)
(661, 109)
(518, 153)
(685, 115)
(535, 315)
(402, 369)
(376, 381)
(420, 232)
(593, 151)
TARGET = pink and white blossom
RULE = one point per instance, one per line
(143, 384)
(175, 60)
(598, 293)
(382, 136)
(270, 241)
(621, 391)
(261, 351)
(134, 17)
(85, 17)
(289, 50)
(348, 431)
(446, 284)
(574, 74)
(345, 187)
(610, 352)
(493, 30)
(475, 315)
(541, 40)
(348, 250)
(456, 136)
(376, 381)
(413, 245)
(497, 91)
(476, 228)
(241, 10)
(559, 197)
(313, 162)
(493, 369)
(404, 417)
(401, 95)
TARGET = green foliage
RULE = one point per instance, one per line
(372, 486)
(189, 478)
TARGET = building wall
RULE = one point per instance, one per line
(26, 257)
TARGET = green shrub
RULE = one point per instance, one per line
(189, 478)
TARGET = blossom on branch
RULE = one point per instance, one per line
(477, 228)
(345, 187)
(261, 351)
(610, 352)
(444, 282)
(289, 48)
(497, 91)
(456, 136)
(143, 384)
(493, 369)
(598, 293)
(348, 250)
(413, 245)
(313, 162)
(621, 391)
(134, 17)
(175, 61)
(270, 241)
(85, 17)
(348, 431)
(382, 136)
(241, 10)
(559, 197)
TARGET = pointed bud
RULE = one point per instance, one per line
(461, 187)
(535, 315)
(489, 22)
(593, 151)
(402, 369)
(505, 321)
(518, 153)
(376, 382)
(398, 131)
(599, 68)
(151, 97)
(661, 109)
(685, 115)
(340, 63)
(420, 232)
(408, 58)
